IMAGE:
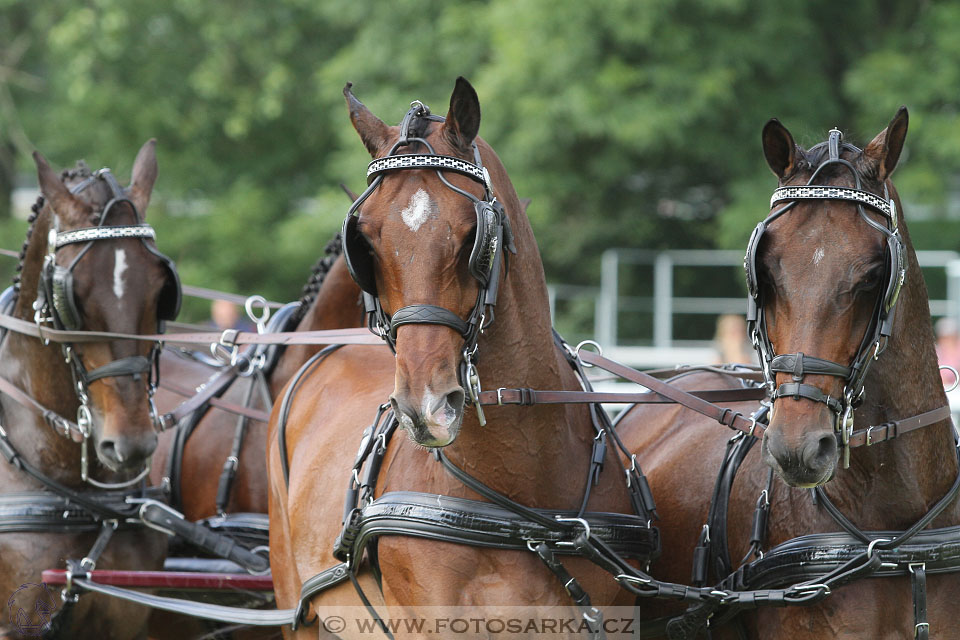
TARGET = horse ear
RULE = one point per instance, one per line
(779, 148)
(524, 203)
(372, 129)
(143, 176)
(881, 155)
(55, 192)
(463, 119)
(350, 193)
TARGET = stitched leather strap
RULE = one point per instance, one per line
(131, 366)
(528, 397)
(799, 390)
(921, 629)
(890, 430)
(427, 314)
(787, 363)
(332, 336)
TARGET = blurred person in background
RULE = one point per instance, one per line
(226, 315)
(948, 348)
(731, 341)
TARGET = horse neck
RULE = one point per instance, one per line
(336, 306)
(915, 470)
(37, 369)
(532, 453)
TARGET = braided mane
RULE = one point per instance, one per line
(81, 171)
(319, 272)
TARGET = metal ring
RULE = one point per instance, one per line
(258, 319)
(956, 377)
(576, 351)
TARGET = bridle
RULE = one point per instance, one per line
(487, 259)
(56, 306)
(878, 332)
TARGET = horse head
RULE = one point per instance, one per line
(824, 270)
(103, 273)
(425, 245)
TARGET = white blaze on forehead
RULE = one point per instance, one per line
(419, 209)
(119, 267)
(818, 255)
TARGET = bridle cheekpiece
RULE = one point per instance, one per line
(874, 342)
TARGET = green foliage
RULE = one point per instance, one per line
(629, 124)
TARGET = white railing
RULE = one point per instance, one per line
(661, 348)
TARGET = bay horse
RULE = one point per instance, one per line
(825, 272)
(89, 263)
(421, 248)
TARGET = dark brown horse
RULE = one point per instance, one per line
(115, 283)
(420, 232)
(826, 280)
(332, 301)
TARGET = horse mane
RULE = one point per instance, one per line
(318, 274)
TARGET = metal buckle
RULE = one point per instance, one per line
(474, 389)
(632, 468)
(583, 523)
(874, 543)
(922, 565)
(500, 391)
(916, 629)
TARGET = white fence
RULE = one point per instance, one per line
(610, 306)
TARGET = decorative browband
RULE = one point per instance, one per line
(832, 193)
(425, 161)
(89, 234)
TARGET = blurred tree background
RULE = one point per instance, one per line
(630, 123)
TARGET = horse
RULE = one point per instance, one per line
(427, 247)
(834, 286)
(89, 263)
(330, 300)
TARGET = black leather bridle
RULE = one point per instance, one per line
(55, 305)
(487, 259)
(875, 339)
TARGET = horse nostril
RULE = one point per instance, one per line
(455, 399)
(108, 449)
(820, 450)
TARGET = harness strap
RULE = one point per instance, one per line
(590, 614)
(427, 314)
(797, 390)
(528, 397)
(284, 338)
(131, 366)
(799, 364)
(218, 613)
(57, 422)
(921, 629)
(724, 416)
(890, 430)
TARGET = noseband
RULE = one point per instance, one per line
(57, 306)
(493, 232)
(874, 341)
